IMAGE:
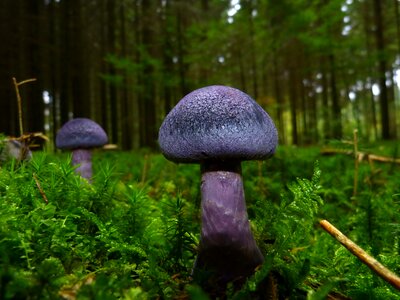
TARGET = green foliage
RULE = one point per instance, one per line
(133, 233)
(287, 227)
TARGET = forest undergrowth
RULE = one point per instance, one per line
(133, 233)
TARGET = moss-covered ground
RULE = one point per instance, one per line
(133, 233)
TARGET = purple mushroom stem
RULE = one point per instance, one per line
(83, 158)
(227, 243)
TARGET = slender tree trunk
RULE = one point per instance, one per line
(397, 20)
(242, 70)
(305, 129)
(77, 61)
(167, 54)
(311, 102)
(138, 106)
(54, 76)
(106, 113)
(382, 68)
(148, 95)
(205, 13)
(33, 108)
(112, 89)
(180, 24)
(336, 109)
(371, 110)
(253, 55)
(326, 117)
(66, 103)
(279, 100)
(293, 88)
(9, 14)
(293, 95)
(309, 130)
(392, 105)
(373, 113)
(125, 117)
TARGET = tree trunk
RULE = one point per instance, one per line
(279, 100)
(10, 39)
(149, 130)
(326, 118)
(167, 54)
(336, 109)
(382, 68)
(397, 18)
(32, 102)
(252, 50)
(293, 95)
(242, 70)
(182, 66)
(53, 72)
(112, 89)
(370, 102)
(125, 116)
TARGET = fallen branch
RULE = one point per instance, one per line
(361, 155)
(40, 188)
(383, 158)
(371, 262)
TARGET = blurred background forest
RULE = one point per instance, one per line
(319, 67)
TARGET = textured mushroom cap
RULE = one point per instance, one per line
(217, 123)
(80, 133)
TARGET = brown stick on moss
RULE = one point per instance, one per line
(371, 262)
(40, 188)
(361, 155)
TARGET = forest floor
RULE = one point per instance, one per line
(133, 233)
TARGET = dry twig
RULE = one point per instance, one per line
(371, 262)
(40, 188)
(19, 100)
(361, 155)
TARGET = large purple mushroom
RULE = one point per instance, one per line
(218, 127)
(81, 135)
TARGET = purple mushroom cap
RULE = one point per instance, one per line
(80, 133)
(217, 123)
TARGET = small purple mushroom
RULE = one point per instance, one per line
(218, 127)
(81, 135)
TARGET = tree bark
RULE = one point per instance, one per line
(148, 97)
(382, 68)
(336, 107)
(397, 18)
(293, 95)
(112, 89)
(326, 119)
(279, 99)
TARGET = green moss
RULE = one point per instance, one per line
(133, 233)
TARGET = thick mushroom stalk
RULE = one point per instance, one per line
(227, 244)
(83, 158)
